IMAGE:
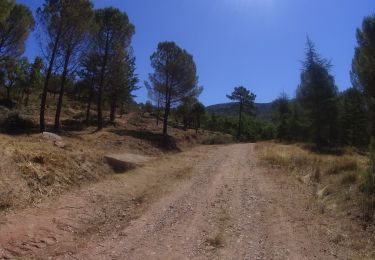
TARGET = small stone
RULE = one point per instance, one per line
(60, 144)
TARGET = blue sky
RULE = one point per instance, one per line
(255, 43)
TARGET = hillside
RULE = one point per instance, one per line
(263, 110)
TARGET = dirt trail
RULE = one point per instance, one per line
(207, 203)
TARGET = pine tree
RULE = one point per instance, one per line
(317, 94)
(114, 31)
(16, 22)
(245, 101)
(353, 118)
(35, 79)
(174, 77)
(363, 68)
(282, 117)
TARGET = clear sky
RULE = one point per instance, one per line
(255, 43)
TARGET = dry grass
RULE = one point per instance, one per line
(33, 168)
(301, 161)
(41, 169)
(343, 164)
(336, 178)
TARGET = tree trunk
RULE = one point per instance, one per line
(112, 115)
(158, 113)
(185, 123)
(89, 102)
(8, 95)
(61, 94)
(101, 84)
(166, 115)
(21, 95)
(239, 122)
(197, 124)
(43, 102)
(100, 113)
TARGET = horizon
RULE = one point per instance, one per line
(229, 47)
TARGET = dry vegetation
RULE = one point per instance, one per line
(338, 180)
(33, 168)
(335, 187)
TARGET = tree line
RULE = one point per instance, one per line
(320, 113)
(86, 53)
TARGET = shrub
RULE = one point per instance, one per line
(14, 123)
(217, 139)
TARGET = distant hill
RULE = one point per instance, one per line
(263, 110)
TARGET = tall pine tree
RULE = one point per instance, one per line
(317, 95)
(364, 66)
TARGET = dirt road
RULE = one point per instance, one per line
(212, 202)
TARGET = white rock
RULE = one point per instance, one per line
(51, 136)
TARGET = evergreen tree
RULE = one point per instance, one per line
(11, 73)
(317, 94)
(364, 66)
(198, 110)
(122, 80)
(174, 77)
(78, 22)
(245, 101)
(353, 119)
(185, 110)
(35, 79)
(16, 22)
(282, 117)
(155, 94)
(89, 74)
(114, 31)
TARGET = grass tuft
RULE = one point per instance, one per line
(343, 164)
(216, 242)
(349, 178)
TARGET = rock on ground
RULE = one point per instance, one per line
(125, 161)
